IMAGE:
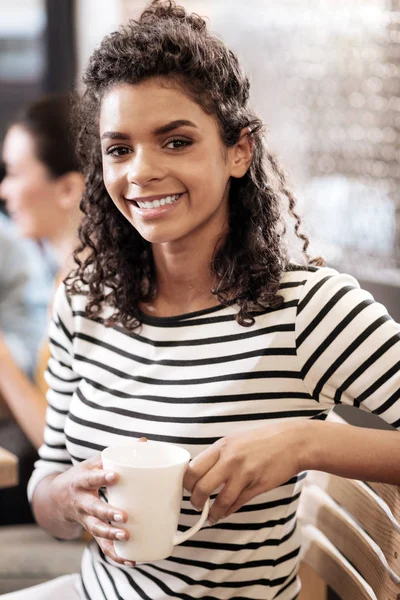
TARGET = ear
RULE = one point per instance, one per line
(242, 154)
(71, 186)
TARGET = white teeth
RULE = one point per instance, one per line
(160, 202)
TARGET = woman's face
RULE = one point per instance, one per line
(164, 164)
(27, 188)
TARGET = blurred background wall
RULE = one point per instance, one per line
(325, 79)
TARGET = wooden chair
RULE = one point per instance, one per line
(351, 538)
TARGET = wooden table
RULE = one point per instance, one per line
(8, 469)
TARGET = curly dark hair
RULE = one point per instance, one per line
(118, 268)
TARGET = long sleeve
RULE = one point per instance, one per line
(62, 382)
(348, 346)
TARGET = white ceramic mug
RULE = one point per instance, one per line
(149, 489)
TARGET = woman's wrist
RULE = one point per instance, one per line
(309, 444)
(49, 505)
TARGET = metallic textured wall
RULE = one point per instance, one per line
(325, 78)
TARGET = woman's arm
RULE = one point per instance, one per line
(22, 398)
(254, 462)
(348, 352)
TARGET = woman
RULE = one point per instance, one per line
(187, 323)
(42, 187)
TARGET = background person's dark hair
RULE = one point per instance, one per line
(167, 42)
(49, 121)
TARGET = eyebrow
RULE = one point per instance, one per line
(174, 125)
(114, 135)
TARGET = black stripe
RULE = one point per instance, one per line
(388, 403)
(355, 375)
(181, 321)
(118, 595)
(58, 345)
(312, 293)
(377, 355)
(333, 335)
(61, 363)
(188, 363)
(247, 333)
(353, 346)
(162, 438)
(372, 388)
(321, 417)
(60, 323)
(185, 320)
(214, 419)
(252, 507)
(85, 590)
(58, 461)
(182, 596)
(232, 584)
(153, 381)
(231, 566)
(323, 312)
(59, 378)
(248, 526)
(201, 399)
(305, 268)
(57, 410)
(56, 429)
(56, 446)
(290, 582)
(84, 444)
(136, 434)
(97, 577)
(76, 459)
(60, 392)
(194, 543)
(292, 284)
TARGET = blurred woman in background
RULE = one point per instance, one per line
(42, 187)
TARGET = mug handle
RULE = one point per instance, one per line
(182, 537)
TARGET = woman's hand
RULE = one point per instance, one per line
(246, 465)
(75, 494)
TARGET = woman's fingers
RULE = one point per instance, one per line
(107, 546)
(226, 500)
(247, 495)
(100, 529)
(207, 484)
(199, 466)
(103, 511)
(95, 479)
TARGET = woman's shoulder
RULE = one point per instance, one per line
(307, 280)
(298, 275)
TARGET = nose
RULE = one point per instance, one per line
(144, 168)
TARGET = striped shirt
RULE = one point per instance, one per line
(194, 378)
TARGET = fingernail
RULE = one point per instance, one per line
(117, 517)
(128, 563)
(210, 522)
(110, 477)
(120, 535)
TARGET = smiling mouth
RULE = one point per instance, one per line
(160, 201)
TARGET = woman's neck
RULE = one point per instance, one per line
(184, 279)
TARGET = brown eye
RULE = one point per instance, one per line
(178, 143)
(117, 151)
